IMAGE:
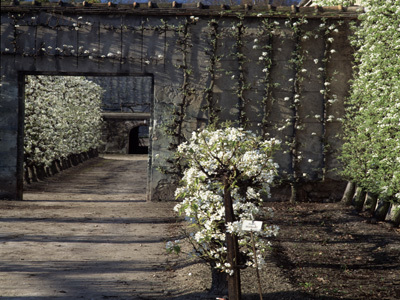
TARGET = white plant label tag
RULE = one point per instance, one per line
(249, 225)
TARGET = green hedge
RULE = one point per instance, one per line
(62, 117)
(371, 150)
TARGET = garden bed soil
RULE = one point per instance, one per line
(323, 251)
(88, 233)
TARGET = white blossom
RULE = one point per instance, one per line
(65, 113)
(208, 153)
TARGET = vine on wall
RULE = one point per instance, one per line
(175, 130)
(297, 61)
(211, 105)
(238, 30)
(267, 31)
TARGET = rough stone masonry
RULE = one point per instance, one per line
(281, 72)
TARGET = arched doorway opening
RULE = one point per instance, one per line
(139, 140)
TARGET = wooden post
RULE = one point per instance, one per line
(256, 263)
(234, 289)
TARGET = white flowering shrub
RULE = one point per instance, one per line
(246, 162)
(62, 117)
(334, 2)
(371, 152)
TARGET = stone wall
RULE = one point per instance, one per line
(125, 93)
(116, 133)
(282, 72)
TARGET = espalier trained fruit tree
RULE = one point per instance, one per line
(226, 163)
(62, 117)
(371, 150)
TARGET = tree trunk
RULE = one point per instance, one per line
(40, 172)
(359, 199)
(26, 175)
(349, 193)
(53, 168)
(382, 209)
(32, 173)
(396, 215)
(234, 286)
(47, 171)
(293, 193)
(219, 283)
(370, 203)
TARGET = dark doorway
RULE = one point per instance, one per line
(139, 140)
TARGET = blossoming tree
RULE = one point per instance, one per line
(371, 150)
(229, 171)
(62, 117)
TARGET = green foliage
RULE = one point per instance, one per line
(371, 152)
(62, 117)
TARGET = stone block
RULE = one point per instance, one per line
(110, 43)
(310, 151)
(153, 45)
(83, 64)
(132, 43)
(227, 68)
(8, 120)
(109, 65)
(25, 63)
(283, 46)
(283, 75)
(9, 89)
(254, 41)
(228, 103)
(341, 48)
(279, 109)
(26, 41)
(68, 41)
(88, 41)
(64, 63)
(254, 108)
(312, 77)
(8, 148)
(312, 44)
(47, 19)
(254, 75)
(332, 136)
(7, 37)
(339, 72)
(195, 110)
(8, 186)
(311, 108)
(282, 156)
(132, 66)
(226, 45)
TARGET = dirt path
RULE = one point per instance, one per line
(87, 233)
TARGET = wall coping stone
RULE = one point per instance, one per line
(125, 116)
(184, 9)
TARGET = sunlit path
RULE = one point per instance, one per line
(87, 233)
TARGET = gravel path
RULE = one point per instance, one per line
(87, 233)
